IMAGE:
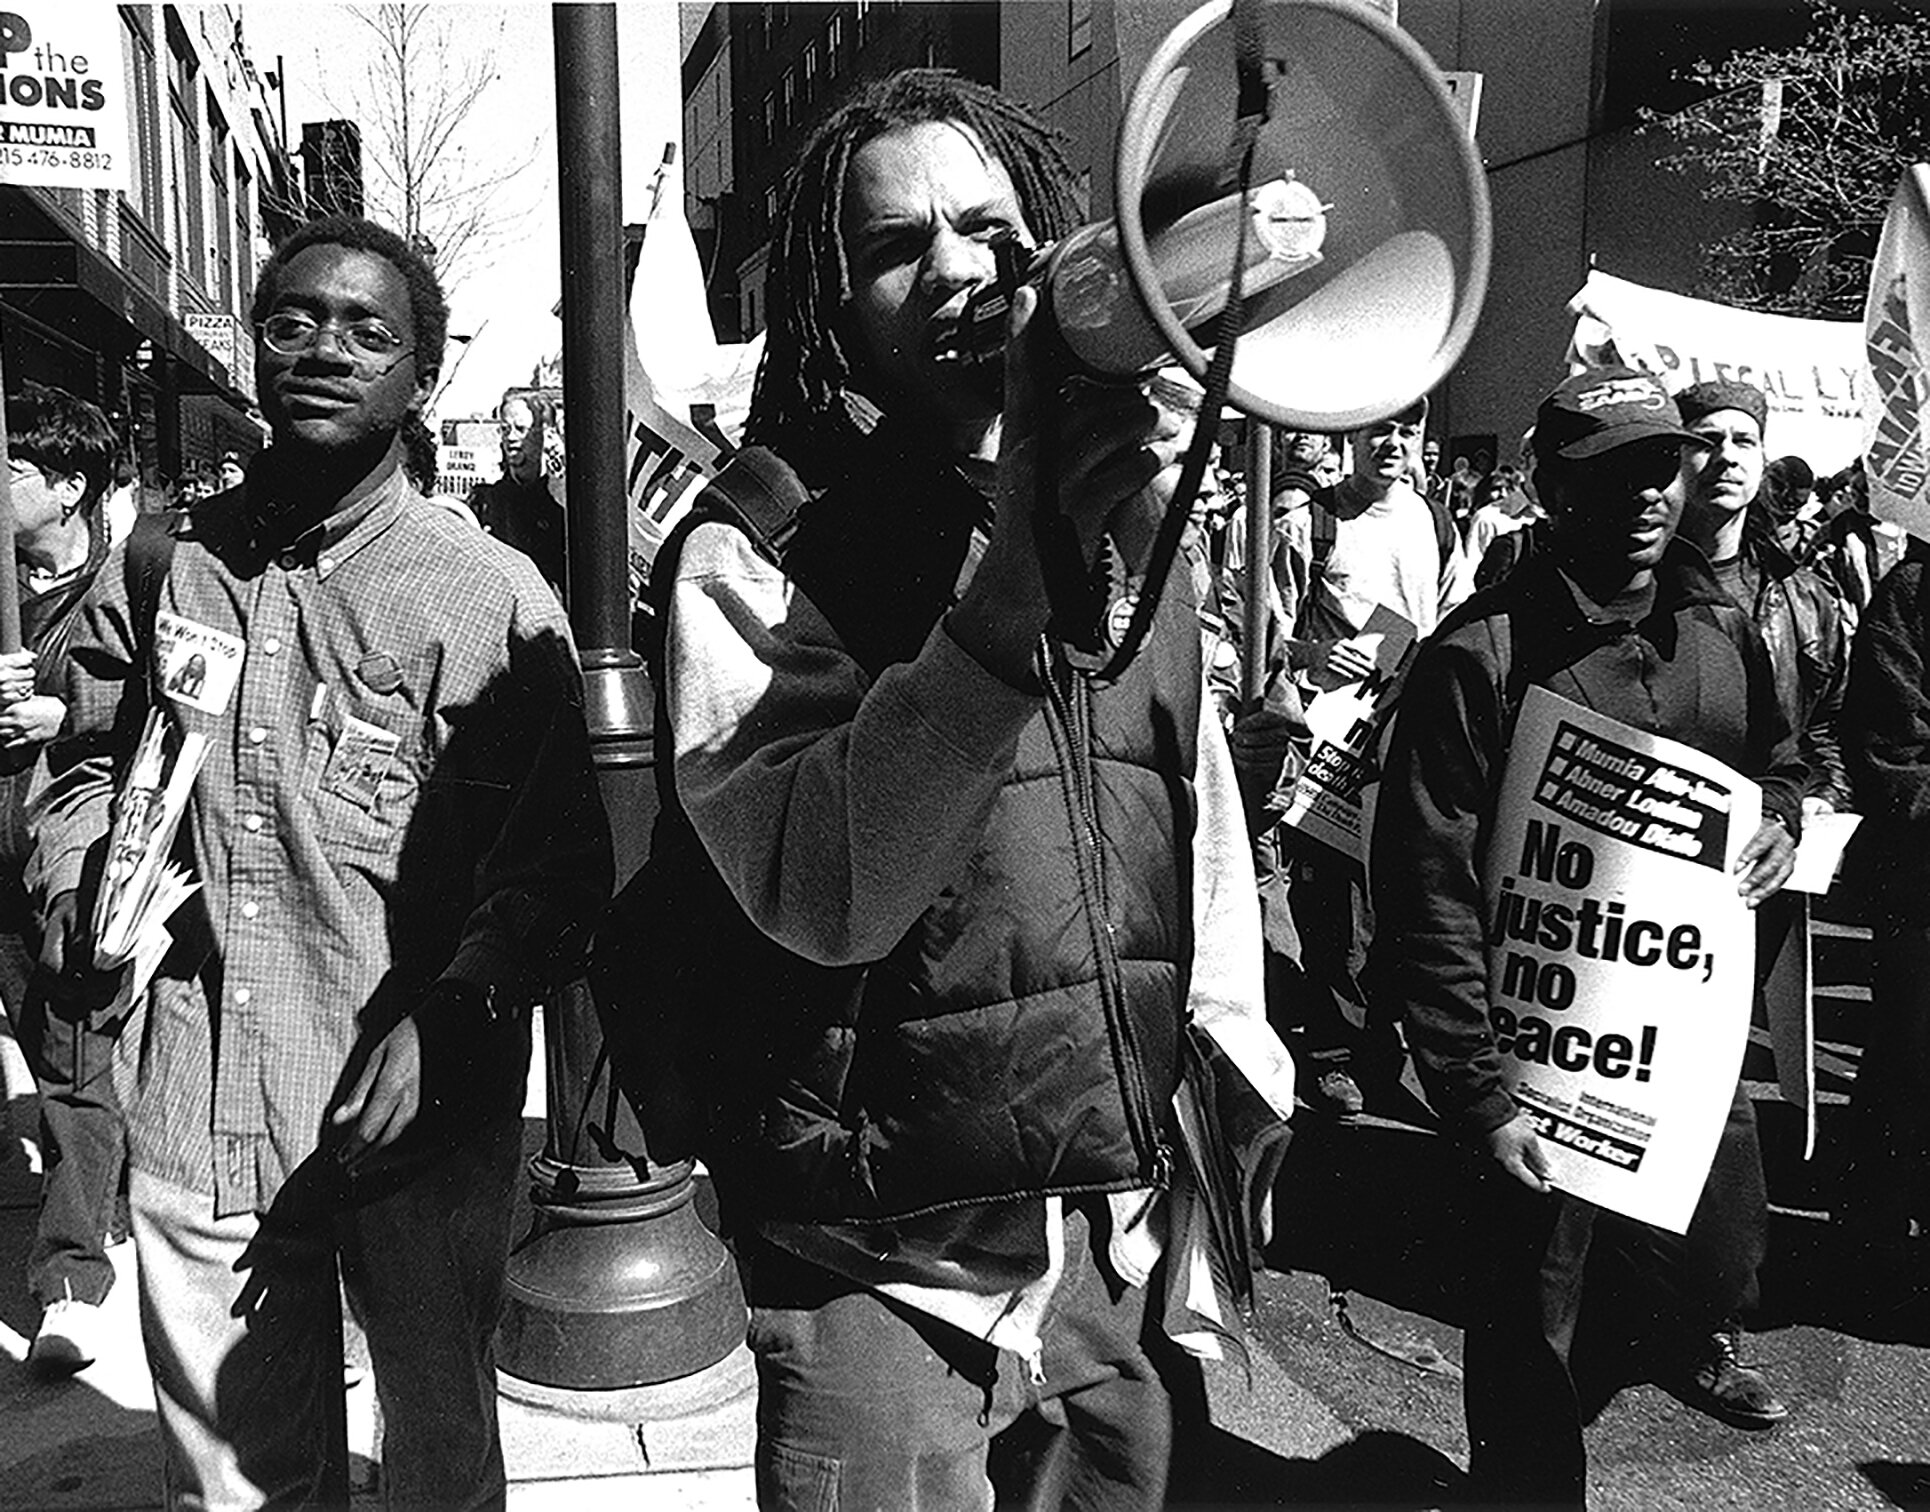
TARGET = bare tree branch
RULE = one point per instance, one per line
(431, 69)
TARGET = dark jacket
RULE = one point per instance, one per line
(1801, 620)
(528, 517)
(1886, 739)
(1695, 670)
(1023, 1037)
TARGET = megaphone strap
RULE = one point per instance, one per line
(1249, 60)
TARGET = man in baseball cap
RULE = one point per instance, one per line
(1615, 614)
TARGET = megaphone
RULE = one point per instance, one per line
(1368, 232)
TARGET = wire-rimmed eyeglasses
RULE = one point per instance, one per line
(293, 332)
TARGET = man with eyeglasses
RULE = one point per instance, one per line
(1615, 614)
(399, 847)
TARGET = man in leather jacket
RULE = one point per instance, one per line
(1799, 614)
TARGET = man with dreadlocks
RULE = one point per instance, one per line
(994, 900)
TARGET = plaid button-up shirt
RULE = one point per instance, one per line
(398, 788)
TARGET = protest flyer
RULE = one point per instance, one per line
(1621, 960)
(1332, 797)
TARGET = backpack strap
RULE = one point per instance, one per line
(1446, 537)
(760, 494)
(1323, 531)
(1326, 529)
(149, 555)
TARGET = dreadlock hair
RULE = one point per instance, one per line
(808, 361)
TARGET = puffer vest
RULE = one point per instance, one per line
(1023, 1038)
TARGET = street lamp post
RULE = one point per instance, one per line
(618, 1284)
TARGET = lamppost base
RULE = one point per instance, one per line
(726, 1384)
(618, 1284)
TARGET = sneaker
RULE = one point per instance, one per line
(1337, 1093)
(69, 1338)
(1722, 1387)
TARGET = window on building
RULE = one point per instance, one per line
(788, 115)
(190, 242)
(864, 22)
(1078, 27)
(833, 43)
(770, 119)
(770, 207)
(244, 235)
(222, 281)
(144, 114)
(808, 63)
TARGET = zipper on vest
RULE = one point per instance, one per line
(1071, 727)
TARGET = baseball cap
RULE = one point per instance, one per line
(1601, 408)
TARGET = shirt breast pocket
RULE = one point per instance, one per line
(362, 764)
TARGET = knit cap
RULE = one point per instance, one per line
(1701, 399)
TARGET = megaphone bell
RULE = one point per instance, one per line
(1368, 233)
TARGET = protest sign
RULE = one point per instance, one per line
(1332, 797)
(1329, 794)
(1896, 333)
(1621, 961)
(63, 96)
(1811, 371)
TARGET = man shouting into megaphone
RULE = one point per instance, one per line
(971, 898)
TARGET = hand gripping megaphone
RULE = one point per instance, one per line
(1368, 234)
(1312, 144)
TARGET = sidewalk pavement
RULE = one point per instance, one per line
(90, 1443)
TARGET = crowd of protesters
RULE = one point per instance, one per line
(992, 975)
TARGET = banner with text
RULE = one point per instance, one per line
(63, 96)
(1811, 370)
(666, 465)
(1896, 333)
(1621, 962)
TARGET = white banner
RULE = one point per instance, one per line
(1896, 329)
(687, 397)
(1811, 370)
(1621, 961)
(706, 384)
(63, 96)
(666, 465)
